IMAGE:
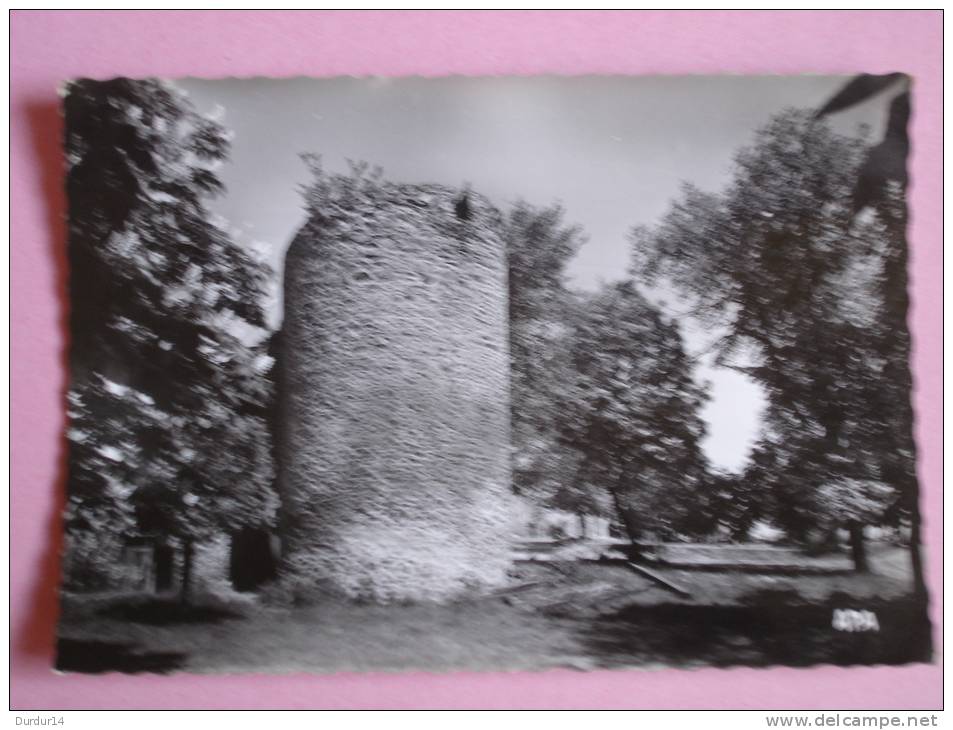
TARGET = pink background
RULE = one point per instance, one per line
(48, 47)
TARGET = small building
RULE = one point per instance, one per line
(242, 561)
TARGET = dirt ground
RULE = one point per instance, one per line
(569, 614)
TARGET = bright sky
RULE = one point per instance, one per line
(612, 149)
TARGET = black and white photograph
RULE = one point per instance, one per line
(489, 373)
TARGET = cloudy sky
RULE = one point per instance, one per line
(612, 150)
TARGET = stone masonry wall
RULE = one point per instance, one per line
(394, 453)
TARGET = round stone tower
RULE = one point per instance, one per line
(394, 368)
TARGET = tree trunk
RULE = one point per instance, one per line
(187, 554)
(630, 528)
(858, 548)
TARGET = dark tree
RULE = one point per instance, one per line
(161, 379)
(809, 301)
(539, 245)
(634, 417)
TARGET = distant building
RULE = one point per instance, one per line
(545, 523)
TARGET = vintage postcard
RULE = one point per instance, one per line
(489, 374)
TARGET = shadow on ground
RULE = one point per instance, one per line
(164, 612)
(105, 656)
(773, 627)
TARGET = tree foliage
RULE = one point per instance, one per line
(634, 416)
(539, 245)
(167, 402)
(805, 295)
(605, 411)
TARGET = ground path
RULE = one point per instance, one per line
(581, 615)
